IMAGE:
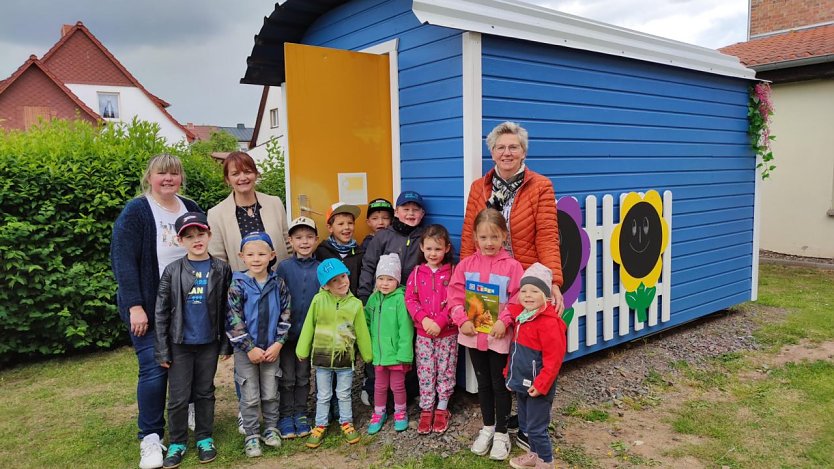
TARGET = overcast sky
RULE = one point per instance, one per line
(193, 53)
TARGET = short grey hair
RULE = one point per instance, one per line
(507, 128)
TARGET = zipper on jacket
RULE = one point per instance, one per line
(534, 369)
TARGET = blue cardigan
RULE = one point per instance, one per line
(133, 257)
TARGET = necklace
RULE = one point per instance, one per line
(162, 206)
(250, 210)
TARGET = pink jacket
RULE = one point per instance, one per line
(425, 297)
(500, 269)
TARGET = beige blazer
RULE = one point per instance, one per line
(225, 232)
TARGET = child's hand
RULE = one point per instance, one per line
(498, 330)
(430, 327)
(225, 357)
(272, 352)
(533, 392)
(256, 355)
(467, 328)
(165, 364)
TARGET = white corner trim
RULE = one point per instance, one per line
(757, 220)
(472, 110)
(517, 19)
(390, 48)
(284, 142)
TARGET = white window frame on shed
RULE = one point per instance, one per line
(274, 118)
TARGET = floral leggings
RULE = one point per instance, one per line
(437, 361)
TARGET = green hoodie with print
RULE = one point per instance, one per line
(392, 331)
(333, 325)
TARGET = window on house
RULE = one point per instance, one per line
(108, 105)
(273, 118)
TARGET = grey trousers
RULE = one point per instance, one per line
(258, 392)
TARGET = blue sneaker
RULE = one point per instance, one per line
(400, 421)
(206, 451)
(286, 428)
(377, 421)
(174, 457)
(302, 427)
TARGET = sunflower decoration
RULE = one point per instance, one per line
(575, 247)
(636, 244)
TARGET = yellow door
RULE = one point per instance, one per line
(338, 130)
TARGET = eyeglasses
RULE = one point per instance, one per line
(514, 149)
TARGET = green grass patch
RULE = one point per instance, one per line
(574, 456)
(585, 413)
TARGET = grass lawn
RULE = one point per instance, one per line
(81, 411)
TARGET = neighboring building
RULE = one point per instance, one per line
(242, 134)
(610, 111)
(791, 43)
(79, 78)
(269, 123)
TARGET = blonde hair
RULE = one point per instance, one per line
(508, 128)
(491, 217)
(165, 163)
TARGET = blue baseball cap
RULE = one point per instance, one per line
(410, 196)
(256, 236)
(329, 269)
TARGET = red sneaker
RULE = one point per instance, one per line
(441, 420)
(424, 425)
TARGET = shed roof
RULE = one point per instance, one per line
(508, 18)
(785, 50)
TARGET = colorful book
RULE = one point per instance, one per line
(482, 305)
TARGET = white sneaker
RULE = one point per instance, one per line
(150, 452)
(501, 447)
(482, 443)
(365, 398)
(192, 419)
(240, 424)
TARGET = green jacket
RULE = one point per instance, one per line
(392, 332)
(332, 327)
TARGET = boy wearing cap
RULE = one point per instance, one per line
(341, 219)
(299, 273)
(334, 324)
(257, 323)
(189, 320)
(536, 354)
(379, 216)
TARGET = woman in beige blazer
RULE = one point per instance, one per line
(244, 211)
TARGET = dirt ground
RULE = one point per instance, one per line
(608, 380)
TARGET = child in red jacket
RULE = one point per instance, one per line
(536, 354)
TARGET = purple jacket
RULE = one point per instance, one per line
(425, 297)
(500, 269)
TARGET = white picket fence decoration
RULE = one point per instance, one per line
(593, 304)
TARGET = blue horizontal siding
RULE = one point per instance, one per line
(429, 59)
(608, 125)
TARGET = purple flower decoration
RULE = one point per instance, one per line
(575, 246)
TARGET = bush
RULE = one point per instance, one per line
(272, 171)
(62, 185)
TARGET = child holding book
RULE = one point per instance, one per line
(487, 280)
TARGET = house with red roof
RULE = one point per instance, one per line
(78, 78)
(791, 44)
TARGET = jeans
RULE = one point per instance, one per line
(533, 420)
(258, 389)
(151, 387)
(191, 379)
(324, 393)
(294, 382)
(493, 395)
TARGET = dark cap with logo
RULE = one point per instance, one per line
(189, 219)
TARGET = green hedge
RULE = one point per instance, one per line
(62, 185)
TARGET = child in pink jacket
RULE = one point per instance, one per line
(436, 345)
(490, 268)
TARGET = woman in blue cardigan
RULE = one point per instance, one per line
(144, 243)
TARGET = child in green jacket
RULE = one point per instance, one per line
(392, 340)
(334, 323)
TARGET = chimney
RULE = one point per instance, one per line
(66, 28)
(773, 16)
(241, 126)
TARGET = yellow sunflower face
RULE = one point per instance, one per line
(639, 239)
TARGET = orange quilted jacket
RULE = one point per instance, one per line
(533, 224)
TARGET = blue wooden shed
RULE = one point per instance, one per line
(610, 111)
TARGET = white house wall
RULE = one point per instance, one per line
(798, 196)
(132, 102)
(265, 131)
